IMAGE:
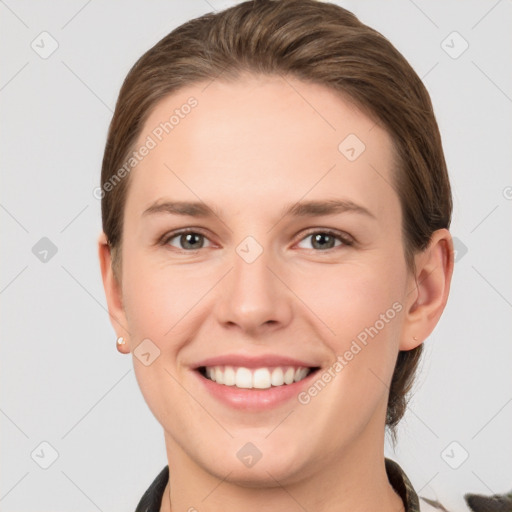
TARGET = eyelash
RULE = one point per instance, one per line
(345, 240)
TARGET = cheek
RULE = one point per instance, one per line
(348, 299)
(363, 308)
(162, 301)
(156, 302)
(151, 299)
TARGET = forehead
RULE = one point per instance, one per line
(260, 138)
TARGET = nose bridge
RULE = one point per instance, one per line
(253, 283)
(254, 296)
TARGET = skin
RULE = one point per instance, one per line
(249, 148)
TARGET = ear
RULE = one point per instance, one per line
(113, 293)
(428, 289)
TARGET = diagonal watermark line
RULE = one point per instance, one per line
(220, 220)
(220, 72)
(392, 188)
(14, 423)
(431, 69)
(13, 279)
(14, 218)
(200, 299)
(424, 424)
(301, 300)
(492, 211)
(94, 298)
(492, 81)
(216, 487)
(501, 409)
(424, 14)
(14, 485)
(74, 218)
(421, 489)
(282, 76)
(417, 284)
(385, 383)
(213, 8)
(287, 491)
(14, 76)
(13, 13)
(305, 194)
(490, 490)
(81, 491)
(485, 15)
(74, 426)
(374, 125)
(76, 14)
(493, 287)
(408, 407)
(280, 423)
(200, 404)
(87, 86)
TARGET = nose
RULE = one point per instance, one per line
(254, 296)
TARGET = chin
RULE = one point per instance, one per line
(260, 463)
(270, 473)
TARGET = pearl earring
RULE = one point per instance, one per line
(120, 341)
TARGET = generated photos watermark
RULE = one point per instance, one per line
(342, 360)
(151, 142)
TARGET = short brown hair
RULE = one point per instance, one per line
(320, 43)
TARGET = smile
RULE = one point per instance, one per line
(254, 378)
(255, 383)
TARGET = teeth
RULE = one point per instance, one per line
(277, 378)
(289, 375)
(260, 378)
(243, 378)
(301, 373)
(229, 376)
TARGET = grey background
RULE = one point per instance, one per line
(63, 381)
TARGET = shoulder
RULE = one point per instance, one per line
(404, 488)
(152, 498)
(438, 498)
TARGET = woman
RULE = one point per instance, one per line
(275, 250)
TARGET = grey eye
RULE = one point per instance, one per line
(189, 240)
(322, 240)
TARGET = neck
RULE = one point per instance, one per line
(352, 481)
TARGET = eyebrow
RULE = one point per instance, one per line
(299, 209)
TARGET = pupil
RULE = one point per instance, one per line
(189, 239)
(322, 237)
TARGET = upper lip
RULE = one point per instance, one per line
(245, 361)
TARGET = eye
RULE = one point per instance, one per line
(325, 239)
(187, 240)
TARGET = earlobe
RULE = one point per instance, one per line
(122, 345)
(112, 291)
(429, 289)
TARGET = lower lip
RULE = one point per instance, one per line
(254, 399)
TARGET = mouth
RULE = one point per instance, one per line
(255, 382)
(255, 378)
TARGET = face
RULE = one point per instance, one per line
(274, 304)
